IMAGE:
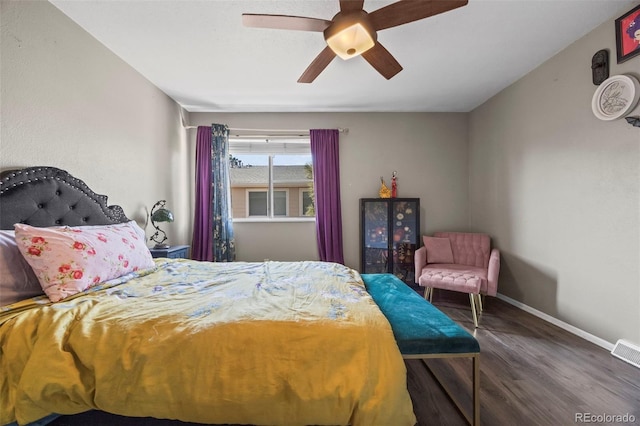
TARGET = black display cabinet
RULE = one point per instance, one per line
(389, 236)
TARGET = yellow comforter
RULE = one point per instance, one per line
(250, 343)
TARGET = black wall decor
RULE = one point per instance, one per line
(634, 121)
(600, 66)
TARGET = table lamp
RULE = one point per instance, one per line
(160, 214)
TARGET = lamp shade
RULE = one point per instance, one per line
(351, 41)
(350, 35)
(162, 215)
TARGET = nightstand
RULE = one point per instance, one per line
(173, 252)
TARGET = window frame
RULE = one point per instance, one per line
(270, 217)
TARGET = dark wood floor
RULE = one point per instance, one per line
(531, 373)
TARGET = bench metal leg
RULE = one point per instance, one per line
(476, 390)
(472, 418)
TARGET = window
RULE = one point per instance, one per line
(271, 179)
(258, 202)
(307, 205)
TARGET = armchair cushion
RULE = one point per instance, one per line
(438, 250)
(464, 278)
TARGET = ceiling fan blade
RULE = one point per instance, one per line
(382, 61)
(284, 22)
(317, 66)
(350, 5)
(405, 11)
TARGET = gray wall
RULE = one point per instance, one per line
(69, 102)
(429, 151)
(559, 191)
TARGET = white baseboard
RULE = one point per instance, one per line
(563, 325)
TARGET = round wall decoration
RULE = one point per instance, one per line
(615, 97)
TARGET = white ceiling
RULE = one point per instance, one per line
(199, 53)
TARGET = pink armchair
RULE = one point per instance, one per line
(461, 262)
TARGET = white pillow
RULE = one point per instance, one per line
(17, 280)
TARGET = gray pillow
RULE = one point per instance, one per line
(17, 280)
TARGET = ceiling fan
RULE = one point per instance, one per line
(353, 31)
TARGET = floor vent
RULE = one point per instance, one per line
(627, 352)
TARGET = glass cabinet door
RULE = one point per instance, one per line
(390, 235)
(375, 250)
(405, 219)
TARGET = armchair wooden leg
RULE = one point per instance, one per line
(473, 309)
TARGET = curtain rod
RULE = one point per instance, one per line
(303, 132)
(256, 137)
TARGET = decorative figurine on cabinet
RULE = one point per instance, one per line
(384, 192)
(394, 185)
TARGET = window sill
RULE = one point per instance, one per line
(272, 220)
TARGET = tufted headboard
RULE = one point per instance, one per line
(47, 196)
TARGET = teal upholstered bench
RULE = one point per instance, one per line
(422, 331)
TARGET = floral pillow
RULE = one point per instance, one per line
(69, 260)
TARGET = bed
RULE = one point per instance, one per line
(242, 343)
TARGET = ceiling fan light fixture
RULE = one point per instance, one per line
(351, 41)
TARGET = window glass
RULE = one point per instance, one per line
(279, 203)
(307, 204)
(257, 203)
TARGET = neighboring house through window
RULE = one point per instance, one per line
(271, 179)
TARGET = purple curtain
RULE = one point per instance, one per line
(202, 247)
(326, 182)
